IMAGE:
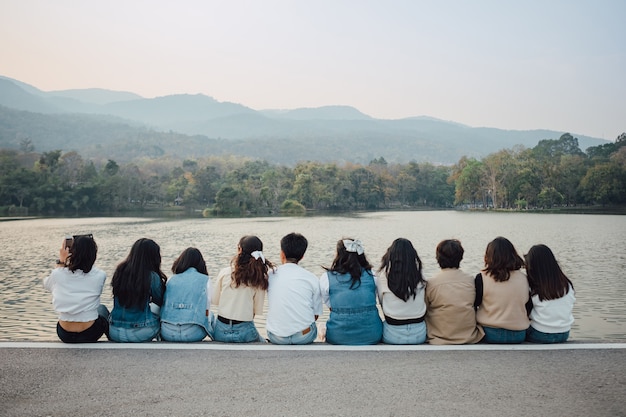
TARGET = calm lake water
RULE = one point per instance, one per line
(590, 249)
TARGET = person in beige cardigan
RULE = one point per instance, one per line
(450, 297)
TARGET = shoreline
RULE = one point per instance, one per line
(182, 213)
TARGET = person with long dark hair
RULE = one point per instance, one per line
(401, 293)
(76, 286)
(239, 293)
(138, 288)
(502, 293)
(450, 297)
(552, 295)
(185, 315)
(349, 290)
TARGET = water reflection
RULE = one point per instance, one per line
(590, 249)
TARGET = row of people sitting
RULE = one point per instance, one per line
(501, 304)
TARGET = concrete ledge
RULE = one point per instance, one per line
(312, 347)
(573, 379)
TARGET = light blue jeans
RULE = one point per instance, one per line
(296, 338)
(354, 326)
(497, 335)
(134, 334)
(182, 332)
(235, 333)
(404, 334)
(535, 336)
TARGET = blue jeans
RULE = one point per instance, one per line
(354, 326)
(404, 334)
(135, 334)
(497, 335)
(297, 338)
(535, 336)
(182, 332)
(235, 333)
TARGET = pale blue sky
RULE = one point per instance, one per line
(549, 64)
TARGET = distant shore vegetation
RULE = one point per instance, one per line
(554, 175)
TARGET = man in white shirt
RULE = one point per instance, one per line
(293, 297)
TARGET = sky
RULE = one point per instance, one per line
(521, 65)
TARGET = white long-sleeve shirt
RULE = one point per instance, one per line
(75, 295)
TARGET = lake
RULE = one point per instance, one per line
(590, 249)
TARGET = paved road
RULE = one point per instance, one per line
(114, 380)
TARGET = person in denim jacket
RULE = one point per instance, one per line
(138, 288)
(185, 311)
(348, 288)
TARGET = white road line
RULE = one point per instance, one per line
(313, 347)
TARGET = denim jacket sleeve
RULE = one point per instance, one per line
(156, 289)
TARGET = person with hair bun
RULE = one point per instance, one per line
(239, 293)
(349, 290)
(76, 286)
(450, 297)
(552, 295)
(502, 293)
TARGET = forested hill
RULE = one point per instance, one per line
(122, 126)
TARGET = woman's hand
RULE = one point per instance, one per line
(64, 252)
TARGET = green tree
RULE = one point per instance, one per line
(603, 184)
(467, 176)
(228, 201)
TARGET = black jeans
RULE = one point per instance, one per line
(90, 335)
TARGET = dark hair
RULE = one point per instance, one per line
(544, 274)
(132, 278)
(349, 263)
(190, 258)
(403, 269)
(501, 258)
(293, 246)
(82, 254)
(449, 253)
(246, 269)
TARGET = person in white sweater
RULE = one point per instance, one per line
(76, 287)
(552, 295)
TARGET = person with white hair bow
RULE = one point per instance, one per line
(239, 292)
(349, 290)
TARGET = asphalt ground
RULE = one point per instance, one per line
(213, 379)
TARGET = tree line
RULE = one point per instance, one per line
(553, 173)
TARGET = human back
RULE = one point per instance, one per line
(294, 298)
(239, 293)
(76, 287)
(503, 292)
(552, 295)
(450, 297)
(349, 290)
(138, 287)
(185, 311)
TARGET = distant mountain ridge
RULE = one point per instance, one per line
(328, 133)
(96, 95)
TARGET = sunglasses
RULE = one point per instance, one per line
(88, 235)
(69, 241)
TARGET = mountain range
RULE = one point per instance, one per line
(122, 125)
